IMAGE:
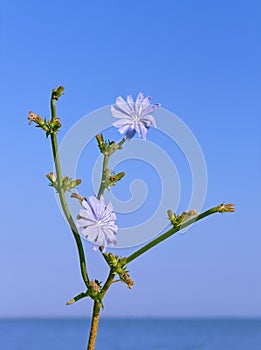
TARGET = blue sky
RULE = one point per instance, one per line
(201, 61)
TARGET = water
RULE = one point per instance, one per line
(126, 334)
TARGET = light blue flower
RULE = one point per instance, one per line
(97, 222)
(134, 117)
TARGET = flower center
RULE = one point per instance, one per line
(135, 117)
(99, 223)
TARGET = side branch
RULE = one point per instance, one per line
(218, 209)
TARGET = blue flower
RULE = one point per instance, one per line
(134, 117)
(97, 222)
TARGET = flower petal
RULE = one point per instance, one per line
(146, 102)
(97, 206)
(149, 120)
(138, 102)
(85, 204)
(86, 213)
(118, 112)
(141, 130)
(90, 233)
(111, 236)
(131, 103)
(126, 129)
(98, 222)
(122, 104)
(121, 122)
(134, 116)
(150, 109)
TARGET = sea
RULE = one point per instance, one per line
(126, 334)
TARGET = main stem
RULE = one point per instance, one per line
(96, 313)
(94, 325)
(97, 306)
(63, 200)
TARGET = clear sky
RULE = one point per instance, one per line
(201, 61)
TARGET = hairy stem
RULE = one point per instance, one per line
(96, 313)
(94, 325)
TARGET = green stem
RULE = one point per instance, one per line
(76, 298)
(63, 200)
(53, 107)
(120, 144)
(169, 233)
(104, 168)
(108, 283)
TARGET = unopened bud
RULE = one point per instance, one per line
(55, 125)
(51, 177)
(127, 280)
(117, 177)
(68, 183)
(226, 208)
(57, 92)
(171, 215)
(193, 212)
(35, 118)
(77, 196)
(101, 143)
(94, 286)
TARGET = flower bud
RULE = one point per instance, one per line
(180, 219)
(35, 118)
(68, 183)
(226, 208)
(101, 143)
(57, 92)
(127, 280)
(193, 212)
(94, 286)
(40, 123)
(54, 125)
(51, 177)
(77, 196)
(171, 215)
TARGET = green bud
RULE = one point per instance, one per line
(57, 92)
(101, 143)
(117, 177)
(180, 219)
(123, 261)
(171, 215)
(113, 259)
(226, 208)
(40, 123)
(68, 183)
(54, 125)
(52, 178)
